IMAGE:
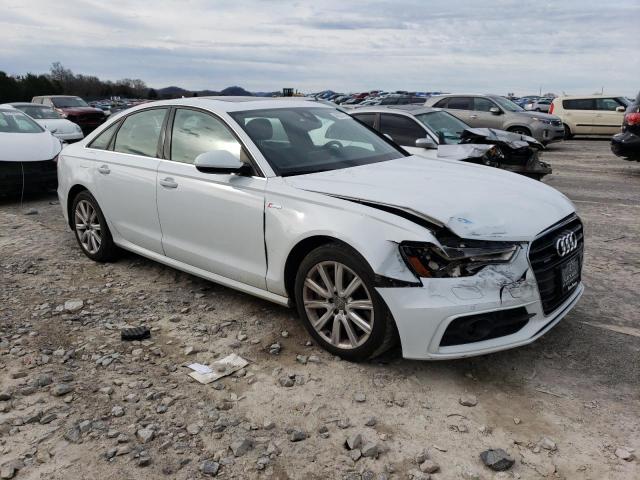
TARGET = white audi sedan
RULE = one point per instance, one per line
(298, 203)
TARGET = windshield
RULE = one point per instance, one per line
(39, 112)
(14, 121)
(296, 141)
(508, 105)
(447, 127)
(67, 102)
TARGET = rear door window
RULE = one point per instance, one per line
(579, 104)
(460, 103)
(404, 130)
(140, 133)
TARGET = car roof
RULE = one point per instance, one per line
(586, 97)
(237, 104)
(27, 104)
(464, 95)
(410, 109)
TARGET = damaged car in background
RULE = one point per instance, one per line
(28, 154)
(434, 133)
(304, 206)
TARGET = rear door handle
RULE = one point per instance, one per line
(104, 169)
(169, 183)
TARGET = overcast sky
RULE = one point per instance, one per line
(482, 46)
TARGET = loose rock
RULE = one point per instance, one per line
(497, 460)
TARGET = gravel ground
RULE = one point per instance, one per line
(77, 402)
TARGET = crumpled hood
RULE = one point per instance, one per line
(57, 125)
(473, 201)
(28, 147)
(495, 136)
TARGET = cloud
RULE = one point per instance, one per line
(499, 46)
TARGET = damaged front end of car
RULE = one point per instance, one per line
(500, 149)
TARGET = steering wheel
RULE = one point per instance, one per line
(333, 144)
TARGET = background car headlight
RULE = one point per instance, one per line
(463, 259)
(542, 120)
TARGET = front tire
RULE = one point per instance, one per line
(567, 132)
(91, 229)
(339, 306)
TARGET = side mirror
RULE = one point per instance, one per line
(426, 143)
(220, 161)
(495, 110)
(621, 109)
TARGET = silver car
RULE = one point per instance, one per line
(494, 111)
(539, 105)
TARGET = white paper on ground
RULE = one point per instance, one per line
(198, 367)
(220, 368)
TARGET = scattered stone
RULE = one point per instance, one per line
(73, 306)
(421, 457)
(193, 429)
(344, 423)
(355, 455)
(210, 468)
(517, 420)
(7, 471)
(360, 397)
(61, 389)
(287, 381)
(548, 444)
(48, 418)
(297, 435)
(145, 435)
(117, 411)
(275, 348)
(468, 400)
(497, 459)
(73, 435)
(624, 454)
(144, 461)
(241, 447)
(371, 422)
(429, 466)
(354, 441)
(370, 449)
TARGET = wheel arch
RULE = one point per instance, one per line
(511, 128)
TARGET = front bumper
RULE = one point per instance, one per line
(423, 314)
(34, 176)
(547, 133)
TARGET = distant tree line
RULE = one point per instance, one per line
(62, 81)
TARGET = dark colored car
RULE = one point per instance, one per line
(627, 143)
(74, 109)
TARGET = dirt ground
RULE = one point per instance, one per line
(77, 402)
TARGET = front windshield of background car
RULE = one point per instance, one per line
(14, 121)
(508, 105)
(69, 102)
(39, 112)
(301, 140)
(447, 127)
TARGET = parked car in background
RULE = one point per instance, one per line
(51, 120)
(316, 210)
(434, 133)
(540, 105)
(74, 109)
(590, 114)
(27, 153)
(494, 111)
(627, 143)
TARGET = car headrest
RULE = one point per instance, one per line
(259, 129)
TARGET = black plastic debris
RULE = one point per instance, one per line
(135, 333)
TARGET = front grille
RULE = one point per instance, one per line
(547, 263)
(485, 326)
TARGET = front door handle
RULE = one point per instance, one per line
(104, 169)
(169, 183)
(473, 116)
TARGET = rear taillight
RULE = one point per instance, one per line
(632, 118)
(551, 108)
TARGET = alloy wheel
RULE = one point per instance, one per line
(88, 227)
(338, 304)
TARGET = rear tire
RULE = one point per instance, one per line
(91, 229)
(339, 306)
(567, 132)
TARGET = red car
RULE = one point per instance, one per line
(74, 109)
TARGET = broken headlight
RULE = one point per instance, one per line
(461, 258)
(493, 157)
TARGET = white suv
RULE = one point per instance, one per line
(300, 204)
(590, 115)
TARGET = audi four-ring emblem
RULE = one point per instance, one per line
(566, 243)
